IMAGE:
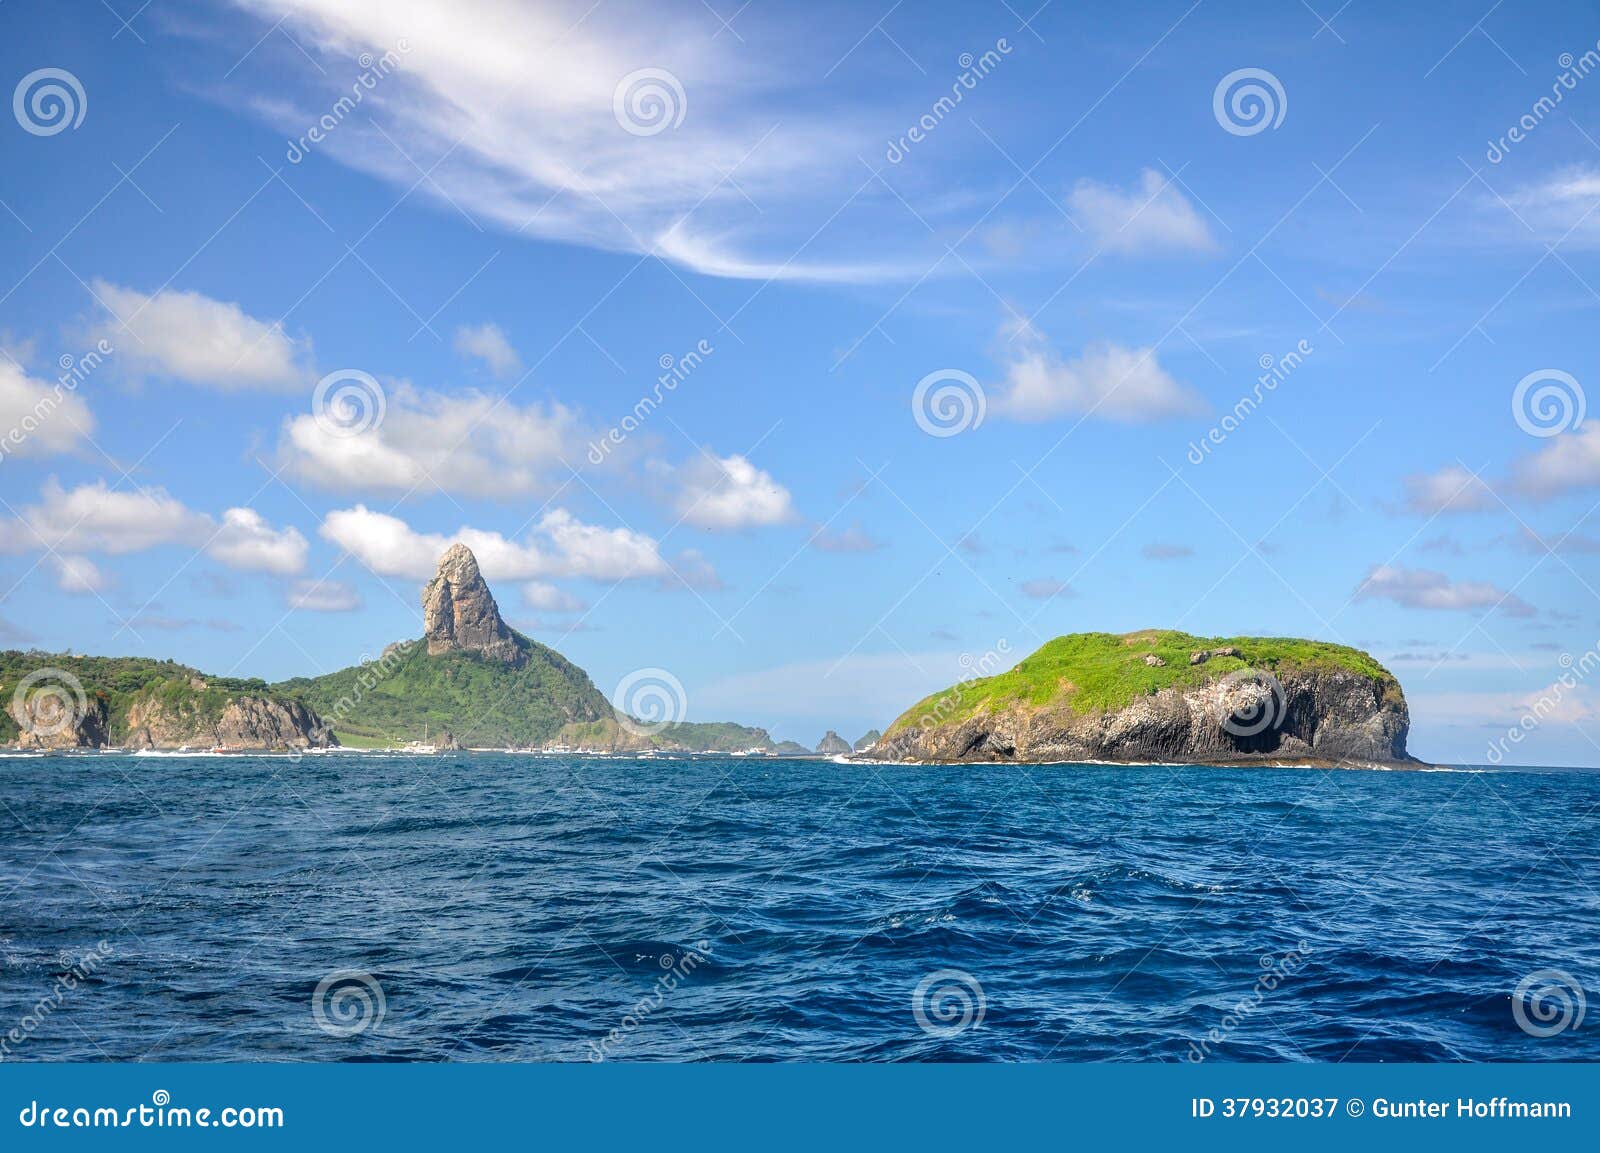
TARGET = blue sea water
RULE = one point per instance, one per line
(502, 907)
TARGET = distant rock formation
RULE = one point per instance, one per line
(832, 745)
(870, 738)
(459, 613)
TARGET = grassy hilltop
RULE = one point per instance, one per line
(1095, 672)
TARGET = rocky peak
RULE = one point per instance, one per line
(832, 744)
(459, 612)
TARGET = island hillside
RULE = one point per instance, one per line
(474, 680)
(1165, 696)
(60, 701)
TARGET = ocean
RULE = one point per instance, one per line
(527, 908)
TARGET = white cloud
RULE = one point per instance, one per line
(1426, 589)
(470, 444)
(1107, 380)
(1560, 206)
(851, 539)
(1043, 589)
(193, 338)
(1452, 489)
(730, 493)
(1160, 550)
(38, 417)
(77, 574)
(323, 596)
(1565, 463)
(1152, 216)
(511, 110)
(95, 518)
(550, 599)
(246, 541)
(558, 546)
(488, 343)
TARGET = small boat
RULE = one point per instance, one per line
(422, 747)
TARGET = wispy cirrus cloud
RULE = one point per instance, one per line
(519, 115)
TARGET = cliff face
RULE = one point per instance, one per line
(60, 721)
(59, 701)
(1319, 712)
(245, 722)
(459, 613)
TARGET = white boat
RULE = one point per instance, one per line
(422, 747)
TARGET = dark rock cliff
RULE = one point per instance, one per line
(1320, 716)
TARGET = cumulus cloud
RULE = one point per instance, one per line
(1452, 489)
(78, 574)
(1426, 589)
(246, 541)
(852, 539)
(471, 444)
(193, 338)
(1043, 588)
(558, 546)
(548, 598)
(94, 518)
(730, 493)
(486, 342)
(1109, 381)
(1151, 216)
(38, 417)
(323, 596)
(1567, 462)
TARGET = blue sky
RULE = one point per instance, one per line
(532, 209)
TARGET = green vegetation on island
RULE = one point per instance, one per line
(1097, 672)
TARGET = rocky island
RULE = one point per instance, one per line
(1168, 697)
